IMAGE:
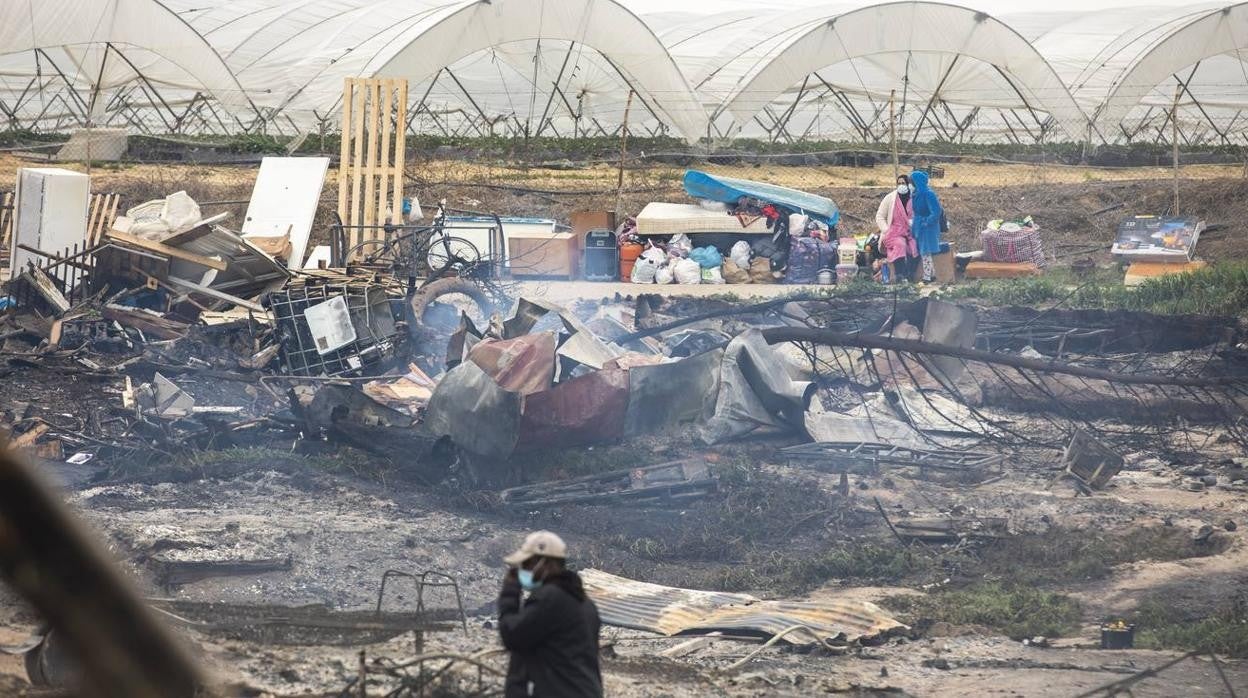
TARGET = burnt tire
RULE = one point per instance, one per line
(430, 292)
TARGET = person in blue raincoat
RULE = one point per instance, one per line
(927, 217)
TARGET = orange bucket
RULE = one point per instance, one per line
(629, 252)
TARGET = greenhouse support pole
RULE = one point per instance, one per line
(1174, 141)
(619, 183)
(892, 129)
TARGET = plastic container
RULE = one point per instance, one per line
(629, 252)
(846, 272)
(825, 277)
(847, 255)
(1117, 636)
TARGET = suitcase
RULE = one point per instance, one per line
(602, 256)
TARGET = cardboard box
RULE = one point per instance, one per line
(1000, 270)
(1139, 272)
(551, 254)
(943, 262)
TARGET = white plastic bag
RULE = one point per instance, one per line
(664, 275)
(680, 245)
(716, 206)
(180, 212)
(687, 271)
(712, 276)
(740, 254)
(643, 270)
(655, 255)
(797, 224)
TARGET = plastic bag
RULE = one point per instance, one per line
(735, 274)
(712, 276)
(760, 271)
(687, 271)
(664, 275)
(655, 255)
(740, 254)
(707, 257)
(644, 270)
(797, 223)
(716, 206)
(680, 245)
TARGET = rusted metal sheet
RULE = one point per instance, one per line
(581, 412)
(672, 611)
(522, 365)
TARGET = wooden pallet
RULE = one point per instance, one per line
(370, 171)
(6, 219)
(100, 216)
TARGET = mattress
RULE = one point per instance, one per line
(701, 185)
(659, 218)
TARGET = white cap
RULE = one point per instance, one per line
(542, 543)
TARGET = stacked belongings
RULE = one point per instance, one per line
(739, 232)
(1010, 249)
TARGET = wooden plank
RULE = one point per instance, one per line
(400, 146)
(214, 293)
(166, 250)
(112, 213)
(358, 157)
(43, 285)
(383, 188)
(148, 323)
(6, 219)
(370, 174)
(344, 157)
(93, 215)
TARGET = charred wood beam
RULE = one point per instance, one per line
(776, 335)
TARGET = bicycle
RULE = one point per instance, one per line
(428, 252)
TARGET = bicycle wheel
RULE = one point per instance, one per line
(448, 253)
(385, 255)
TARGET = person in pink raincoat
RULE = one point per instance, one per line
(894, 218)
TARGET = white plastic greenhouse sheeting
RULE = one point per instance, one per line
(725, 67)
(80, 28)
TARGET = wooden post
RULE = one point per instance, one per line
(344, 157)
(386, 210)
(619, 183)
(400, 148)
(892, 130)
(1174, 137)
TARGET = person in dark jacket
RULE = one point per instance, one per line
(553, 634)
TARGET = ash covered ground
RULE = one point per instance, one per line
(1011, 603)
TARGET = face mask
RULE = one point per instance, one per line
(903, 189)
(526, 580)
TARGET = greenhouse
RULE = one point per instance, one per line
(975, 71)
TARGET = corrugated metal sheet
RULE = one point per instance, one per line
(672, 611)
